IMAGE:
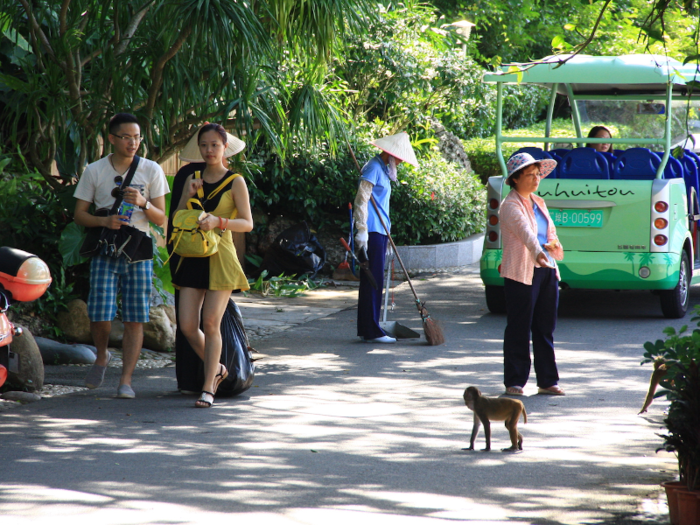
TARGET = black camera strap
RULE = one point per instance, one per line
(125, 184)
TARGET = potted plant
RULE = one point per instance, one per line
(677, 371)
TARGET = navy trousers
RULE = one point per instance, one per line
(532, 309)
(369, 303)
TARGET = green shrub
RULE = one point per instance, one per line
(436, 203)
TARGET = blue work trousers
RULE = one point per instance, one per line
(369, 304)
(532, 310)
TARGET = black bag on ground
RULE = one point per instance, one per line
(235, 354)
(295, 251)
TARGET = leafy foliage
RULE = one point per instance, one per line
(68, 66)
(282, 286)
(436, 203)
(680, 352)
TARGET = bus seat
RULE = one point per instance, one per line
(693, 156)
(674, 169)
(583, 163)
(559, 152)
(537, 153)
(611, 161)
(636, 164)
(690, 176)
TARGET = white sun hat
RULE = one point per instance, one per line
(398, 146)
(190, 153)
(523, 160)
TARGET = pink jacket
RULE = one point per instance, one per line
(519, 236)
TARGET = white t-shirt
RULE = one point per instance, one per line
(97, 183)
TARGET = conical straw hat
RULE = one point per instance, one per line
(190, 153)
(398, 146)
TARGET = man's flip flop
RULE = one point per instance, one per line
(515, 391)
(96, 375)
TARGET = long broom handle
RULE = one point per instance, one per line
(393, 246)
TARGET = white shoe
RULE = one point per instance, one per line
(383, 339)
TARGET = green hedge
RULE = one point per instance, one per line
(436, 203)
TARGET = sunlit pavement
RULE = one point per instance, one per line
(336, 431)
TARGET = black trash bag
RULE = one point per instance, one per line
(296, 251)
(235, 353)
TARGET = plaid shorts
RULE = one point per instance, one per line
(107, 277)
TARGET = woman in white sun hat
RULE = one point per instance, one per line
(204, 284)
(531, 277)
(371, 238)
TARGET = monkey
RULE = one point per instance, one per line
(487, 409)
(660, 370)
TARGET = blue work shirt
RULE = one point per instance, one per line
(542, 226)
(376, 172)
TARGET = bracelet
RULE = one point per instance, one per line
(221, 224)
(226, 224)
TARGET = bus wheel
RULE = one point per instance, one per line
(674, 303)
(496, 299)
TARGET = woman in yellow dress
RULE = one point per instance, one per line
(205, 284)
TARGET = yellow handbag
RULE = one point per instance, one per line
(187, 238)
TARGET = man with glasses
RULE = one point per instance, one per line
(100, 184)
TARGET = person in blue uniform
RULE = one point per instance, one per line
(371, 237)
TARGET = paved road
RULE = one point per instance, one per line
(336, 431)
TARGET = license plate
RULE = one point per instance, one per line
(577, 218)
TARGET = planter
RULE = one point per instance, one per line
(671, 488)
(688, 506)
(435, 257)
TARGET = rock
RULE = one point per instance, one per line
(75, 323)
(55, 353)
(22, 397)
(159, 332)
(31, 366)
(158, 299)
(330, 240)
(116, 336)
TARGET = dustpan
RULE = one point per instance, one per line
(394, 328)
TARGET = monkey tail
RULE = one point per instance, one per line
(524, 414)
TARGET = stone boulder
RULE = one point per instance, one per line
(75, 323)
(30, 375)
(159, 332)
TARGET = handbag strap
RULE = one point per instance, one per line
(125, 183)
(200, 191)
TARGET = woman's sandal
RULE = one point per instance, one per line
(203, 402)
(554, 390)
(218, 379)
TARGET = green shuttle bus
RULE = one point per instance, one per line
(628, 218)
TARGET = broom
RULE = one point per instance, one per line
(431, 328)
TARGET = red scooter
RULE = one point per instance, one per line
(23, 278)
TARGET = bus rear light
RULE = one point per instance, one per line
(499, 268)
(493, 204)
(493, 220)
(660, 240)
(493, 236)
(661, 206)
(644, 272)
(660, 223)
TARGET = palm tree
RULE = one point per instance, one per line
(173, 64)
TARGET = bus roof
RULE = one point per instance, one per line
(597, 75)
